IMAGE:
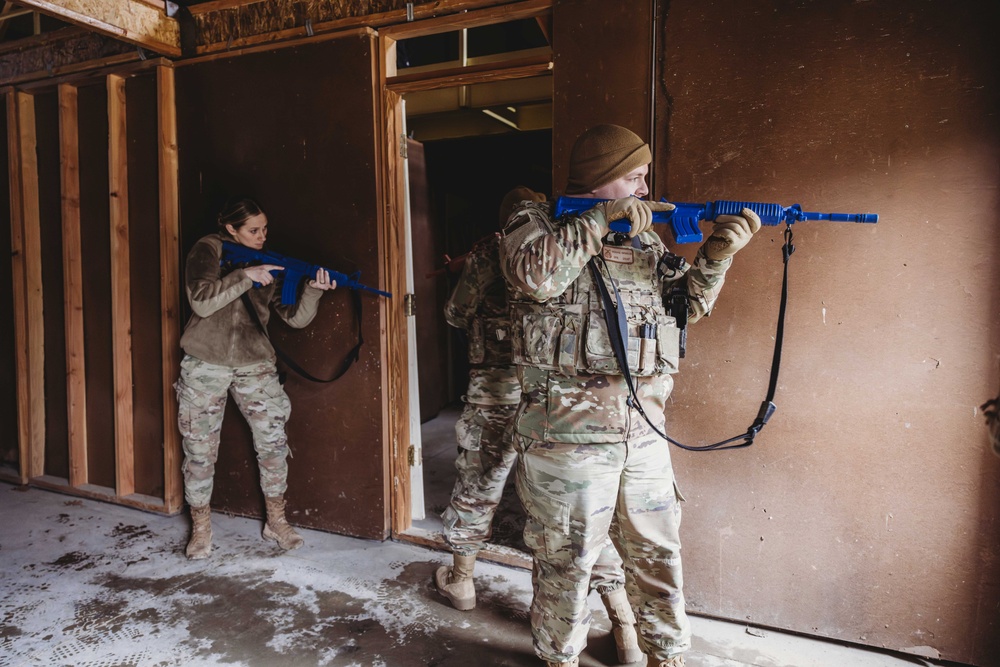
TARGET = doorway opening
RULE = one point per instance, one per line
(476, 105)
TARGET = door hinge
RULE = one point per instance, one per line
(410, 304)
(403, 152)
(411, 456)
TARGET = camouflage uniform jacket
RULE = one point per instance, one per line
(478, 305)
(573, 389)
(220, 330)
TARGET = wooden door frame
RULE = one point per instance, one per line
(392, 87)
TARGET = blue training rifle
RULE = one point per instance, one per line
(684, 219)
(294, 269)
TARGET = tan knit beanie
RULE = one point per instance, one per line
(515, 197)
(602, 154)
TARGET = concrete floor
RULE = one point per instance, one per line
(93, 584)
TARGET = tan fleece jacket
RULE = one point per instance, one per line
(220, 331)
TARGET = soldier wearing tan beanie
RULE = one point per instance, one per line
(604, 154)
(589, 466)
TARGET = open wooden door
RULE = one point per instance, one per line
(294, 128)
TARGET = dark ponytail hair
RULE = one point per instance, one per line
(236, 212)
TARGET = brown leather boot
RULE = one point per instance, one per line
(675, 661)
(575, 662)
(200, 544)
(277, 527)
(623, 626)
(456, 584)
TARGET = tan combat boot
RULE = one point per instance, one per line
(622, 626)
(200, 545)
(575, 662)
(277, 527)
(456, 584)
(675, 661)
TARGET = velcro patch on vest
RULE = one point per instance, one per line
(618, 255)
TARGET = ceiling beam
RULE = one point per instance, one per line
(135, 21)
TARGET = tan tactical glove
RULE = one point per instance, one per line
(639, 213)
(730, 233)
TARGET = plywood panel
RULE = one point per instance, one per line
(868, 509)
(306, 152)
(50, 224)
(602, 73)
(144, 284)
(96, 252)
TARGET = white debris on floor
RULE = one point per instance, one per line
(92, 584)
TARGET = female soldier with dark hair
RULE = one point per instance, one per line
(226, 352)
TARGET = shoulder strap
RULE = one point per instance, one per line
(351, 357)
(614, 317)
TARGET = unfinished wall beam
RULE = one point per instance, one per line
(76, 376)
(26, 263)
(131, 21)
(173, 491)
(121, 309)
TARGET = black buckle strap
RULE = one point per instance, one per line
(618, 333)
(351, 357)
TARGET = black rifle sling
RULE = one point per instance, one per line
(614, 317)
(351, 357)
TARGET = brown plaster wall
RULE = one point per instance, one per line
(868, 510)
(294, 128)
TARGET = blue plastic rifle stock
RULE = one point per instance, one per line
(295, 270)
(684, 219)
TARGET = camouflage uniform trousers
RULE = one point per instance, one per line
(201, 402)
(486, 455)
(575, 496)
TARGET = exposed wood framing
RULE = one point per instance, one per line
(442, 21)
(139, 501)
(170, 305)
(208, 57)
(128, 20)
(76, 376)
(458, 76)
(57, 53)
(83, 77)
(221, 26)
(26, 258)
(8, 13)
(26, 285)
(218, 5)
(121, 310)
